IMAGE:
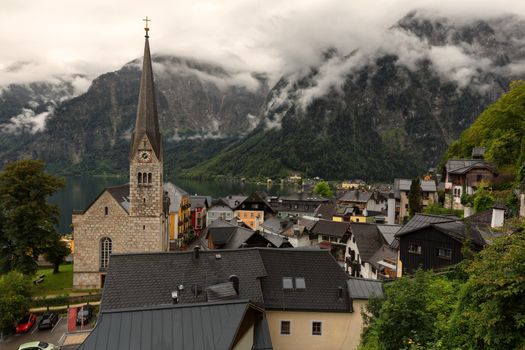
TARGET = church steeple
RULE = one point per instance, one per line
(147, 122)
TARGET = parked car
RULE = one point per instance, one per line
(49, 320)
(85, 313)
(37, 345)
(26, 323)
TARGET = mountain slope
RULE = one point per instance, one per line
(501, 129)
(198, 103)
(381, 115)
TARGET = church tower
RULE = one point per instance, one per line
(146, 159)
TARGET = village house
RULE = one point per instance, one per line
(253, 210)
(179, 214)
(218, 210)
(465, 176)
(222, 234)
(289, 231)
(434, 242)
(368, 252)
(331, 235)
(401, 190)
(199, 210)
(297, 204)
(302, 299)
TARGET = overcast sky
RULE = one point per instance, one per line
(92, 37)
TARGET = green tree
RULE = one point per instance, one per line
(323, 189)
(14, 299)
(413, 313)
(27, 220)
(414, 197)
(57, 253)
(491, 308)
(483, 200)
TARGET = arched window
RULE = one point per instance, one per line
(106, 210)
(144, 177)
(139, 178)
(149, 178)
(106, 247)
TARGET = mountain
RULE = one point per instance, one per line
(202, 108)
(382, 113)
(501, 129)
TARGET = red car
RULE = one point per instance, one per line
(26, 323)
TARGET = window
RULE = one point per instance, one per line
(286, 327)
(317, 328)
(479, 178)
(251, 214)
(149, 178)
(139, 178)
(415, 249)
(457, 191)
(445, 253)
(144, 177)
(325, 238)
(287, 283)
(299, 283)
(106, 211)
(105, 251)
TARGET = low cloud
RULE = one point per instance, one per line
(27, 121)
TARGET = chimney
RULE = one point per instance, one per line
(196, 251)
(234, 279)
(467, 211)
(391, 205)
(498, 215)
(175, 297)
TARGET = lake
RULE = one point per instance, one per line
(80, 191)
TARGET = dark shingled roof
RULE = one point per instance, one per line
(147, 121)
(120, 193)
(200, 202)
(356, 196)
(462, 166)
(325, 211)
(147, 279)
(331, 228)
(367, 238)
(194, 326)
(322, 274)
(363, 288)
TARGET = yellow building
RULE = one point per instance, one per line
(179, 214)
(252, 218)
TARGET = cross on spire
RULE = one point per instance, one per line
(146, 28)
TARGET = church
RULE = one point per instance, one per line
(132, 217)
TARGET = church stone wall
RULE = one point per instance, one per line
(128, 235)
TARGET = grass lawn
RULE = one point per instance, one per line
(59, 284)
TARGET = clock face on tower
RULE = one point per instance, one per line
(144, 156)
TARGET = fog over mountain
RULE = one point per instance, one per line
(242, 68)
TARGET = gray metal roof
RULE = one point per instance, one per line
(175, 194)
(363, 288)
(194, 326)
(404, 185)
(422, 220)
(388, 232)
